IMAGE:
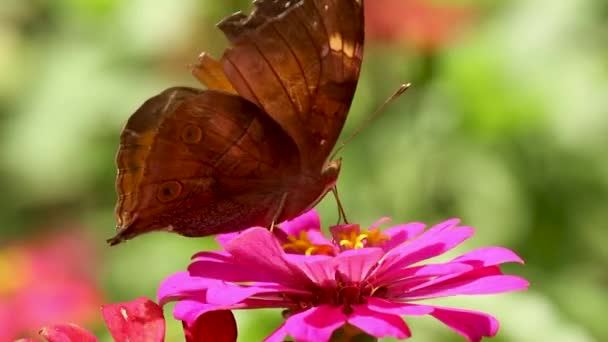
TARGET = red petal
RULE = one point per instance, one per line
(67, 333)
(212, 326)
(140, 320)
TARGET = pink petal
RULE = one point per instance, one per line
(231, 271)
(471, 283)
(436, 241)
(278, 335)
(489, 256)
(190, 309)
(303, 258)
(380, 221)
(421, 272)
(322, 272)
(138, 320)
(221, 256)
(67, 333)
(315, 324)
(180, 284)
(356, 264)
(228, 294)
(470, 324)
(223, 239)
(259, 251)
(396, 308)
(402, 233)
(213, 326)
(378, 324)
(309, 221)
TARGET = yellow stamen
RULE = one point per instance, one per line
(375, 237)
(352, 240)
(302, 244)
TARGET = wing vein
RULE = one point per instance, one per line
(274, 72)
(295, 56)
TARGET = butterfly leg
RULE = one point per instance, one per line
(341, 212)
(278, 212)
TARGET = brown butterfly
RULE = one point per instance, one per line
(253, 148)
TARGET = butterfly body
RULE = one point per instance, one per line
(252, 149)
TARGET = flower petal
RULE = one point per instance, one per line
(278, 335)
(380, 221)
(436, 241)
(315, 324)
(138, 320)
(356, 264)
(396, 308)
(477, 282)
(221, 256)
(67, 332)
(230, 271)
(421, 273)
(228, 294)
(378, 324)
(488, 256)
(223, 239)
(321, 272)
(257, 250)
(213, 326)
(180, 284)
(402, 233)
(353, 264)
(470, 324)
(306, 222)
(190, 309)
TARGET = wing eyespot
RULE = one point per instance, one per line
(192, 134)
(169, 191)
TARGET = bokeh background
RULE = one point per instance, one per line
(506, 126)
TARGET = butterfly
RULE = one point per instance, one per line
(252, 148)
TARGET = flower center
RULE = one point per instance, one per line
(342, 293)
(353, 239)
(375, 237)
(302, 245)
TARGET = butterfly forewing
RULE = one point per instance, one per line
(301, 67)
(252, 148)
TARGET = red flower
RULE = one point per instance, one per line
(419, 23)
(142, 320)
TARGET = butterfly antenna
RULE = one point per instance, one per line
(402, 88)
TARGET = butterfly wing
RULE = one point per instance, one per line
(200, 163)
(299, 61)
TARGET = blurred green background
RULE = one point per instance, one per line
(506, 126)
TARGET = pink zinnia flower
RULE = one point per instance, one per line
(47, 281)
(365, 279)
